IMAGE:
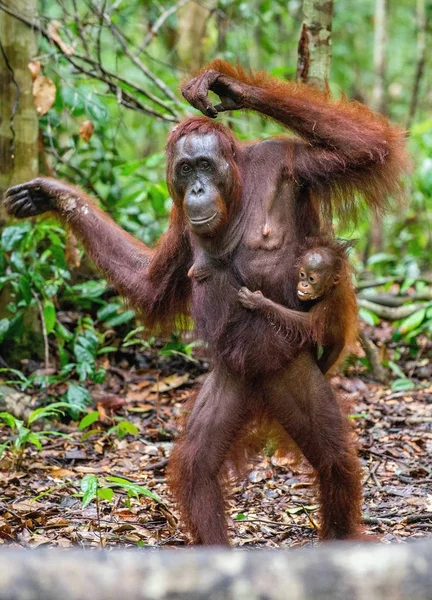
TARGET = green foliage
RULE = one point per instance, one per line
(93, 488)
(123, 162)
(121, 429)
(23, 434)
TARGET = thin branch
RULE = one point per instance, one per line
(105, 75)
(158, 24)
(79, 27)
(44, 330)
(145, 70)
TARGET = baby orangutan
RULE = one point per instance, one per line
(325, 281)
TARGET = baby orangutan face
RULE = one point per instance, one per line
(319, 272)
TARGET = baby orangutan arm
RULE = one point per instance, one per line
(293, 321)
(199, 271)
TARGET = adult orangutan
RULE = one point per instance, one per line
(324, 283)
(248, 207)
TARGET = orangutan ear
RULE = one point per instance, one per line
(336, 278)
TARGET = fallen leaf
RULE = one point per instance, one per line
(170, 383)
(59, 473)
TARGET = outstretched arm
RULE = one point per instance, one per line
(348, 148)
(154, 281)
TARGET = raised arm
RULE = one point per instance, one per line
(348, 148)
(154, 281)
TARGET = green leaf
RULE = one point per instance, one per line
(105, 493)
(401, 385)
(107, 350)
(89, 486)
(396, 369)
(3, 448)
(134, 488)
(412, 321)
(62, 332)
(108, 310)
(35, 439)
(85, 347)
(4, 327)
(381, 257)
(49, 315)
(241, 517)
(13, 234)
(406, 284)
(89, 419)
(88, 290)
(25, 289)
(89, 433)
(368, 316)
(121, 318)
(9, 419)
(127, 428)
(47, 412)
(78, 398)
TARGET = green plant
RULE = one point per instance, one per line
(122, 427)
(94, 488)
(24, 435)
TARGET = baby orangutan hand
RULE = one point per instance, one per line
(198, 272)
(251, 300)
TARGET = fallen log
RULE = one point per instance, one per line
(330, 572)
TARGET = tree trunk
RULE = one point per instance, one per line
(314, 48)
(379, 104)
(422, 27)
(18, 118)
(343, 570)
(379, 97)
(192, 29)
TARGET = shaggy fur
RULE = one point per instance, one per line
(275, 195)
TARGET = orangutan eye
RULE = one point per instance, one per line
(205, 165)
(312, 279)
(186, 168)
(302, 274)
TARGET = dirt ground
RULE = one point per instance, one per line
(274, 506)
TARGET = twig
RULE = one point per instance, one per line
(153, 29)
(412, 420)
(157, 466)
(44, 330)
(377, 520)
(416, 518)
(372, 471)
(276, 523)
(145, 70)
(105, 76)
(312, 522)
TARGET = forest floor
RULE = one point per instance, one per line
(273, 506)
